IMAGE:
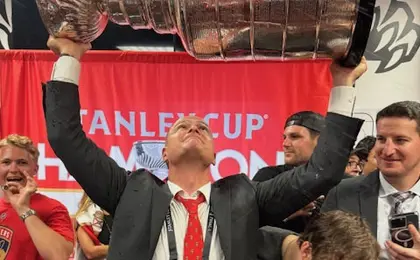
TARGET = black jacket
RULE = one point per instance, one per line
(139, 201)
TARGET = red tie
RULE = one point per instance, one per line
(193, 241)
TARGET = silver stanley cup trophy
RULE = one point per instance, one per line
(149, 156)
(227, 29)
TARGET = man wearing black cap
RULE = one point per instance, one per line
(301, 132)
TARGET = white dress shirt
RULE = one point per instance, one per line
(180, 220)
(385, 205)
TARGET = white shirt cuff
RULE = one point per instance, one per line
(66, 69)
(342, 99)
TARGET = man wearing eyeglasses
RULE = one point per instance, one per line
(357, 160)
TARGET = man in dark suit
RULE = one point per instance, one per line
(301, 133)
(150, 216)
(375, 197)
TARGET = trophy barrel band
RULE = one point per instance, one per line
(361, 33)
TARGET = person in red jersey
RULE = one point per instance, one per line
(32, 226)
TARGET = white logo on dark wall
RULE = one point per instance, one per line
(5, 23)
(395, 37)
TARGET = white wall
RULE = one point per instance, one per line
(6, 23)
(393, 59)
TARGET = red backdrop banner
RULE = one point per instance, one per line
(128, 97)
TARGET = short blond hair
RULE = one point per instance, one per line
(23, 142)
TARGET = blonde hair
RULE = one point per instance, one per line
(84, 204)
(22, 142)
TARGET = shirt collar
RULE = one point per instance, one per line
(387, 189)
(205, 190)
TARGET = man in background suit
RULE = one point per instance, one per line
(373, 196)
(356, 163)
(368, 142)
(150, 216)
(300, 137)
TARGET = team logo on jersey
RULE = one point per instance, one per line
(6, 235)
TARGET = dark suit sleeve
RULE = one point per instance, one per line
(267, 173)
(292, 190)
(271, 242)
(330, 202)
(296, 224)
(97, 173)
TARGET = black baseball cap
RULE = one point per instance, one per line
(308, 119)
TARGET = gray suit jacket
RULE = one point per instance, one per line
(139, 201)
(358, 195)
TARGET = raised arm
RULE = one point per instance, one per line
(97, 173)
(292, 190)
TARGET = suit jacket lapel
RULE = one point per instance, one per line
(220, 201)
(161, 199)
(368, 199)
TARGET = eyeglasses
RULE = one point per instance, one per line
(354, 164)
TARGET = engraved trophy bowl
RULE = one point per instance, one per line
(149, 156)
(227, 29)
(79, 20)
